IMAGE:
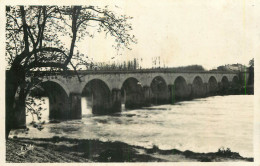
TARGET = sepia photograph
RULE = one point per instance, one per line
(130, 81)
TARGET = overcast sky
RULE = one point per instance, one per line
(181, 32)
(208, 33)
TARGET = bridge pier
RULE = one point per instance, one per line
(107, 104)
(134, 100)
(147, 96)
(179, 92)
(59, 108)
(212, 87)
(172, 95)
(161, 98)
(199, 91)
(205, 92)
(75, 106)
(223, 89)
(219, 88)
(235, 88)
(116, 100)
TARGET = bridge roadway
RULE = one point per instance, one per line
(108, 90)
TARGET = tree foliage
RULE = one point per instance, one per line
(34, 33)
(251, 63)
(35, 42)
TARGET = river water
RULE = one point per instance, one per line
(201, 125)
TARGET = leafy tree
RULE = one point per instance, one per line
(135, 64)
(222, 68)
(251, 74)
(251, 63)
(34, 42)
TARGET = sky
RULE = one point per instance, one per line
(179, 32)
(208, 33)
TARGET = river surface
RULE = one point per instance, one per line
(201, 125)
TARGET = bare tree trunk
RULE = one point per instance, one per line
(14, 78)
(10, 90)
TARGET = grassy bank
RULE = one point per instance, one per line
(74, 150)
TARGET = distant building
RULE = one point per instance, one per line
(232, 67)
(236, 67)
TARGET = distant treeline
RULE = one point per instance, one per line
(188, 68)
(135, 65)
(126, 65)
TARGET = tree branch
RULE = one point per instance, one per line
(24, 25)
(15, 20)
(31, 36)
(35, 64)
(75, 14)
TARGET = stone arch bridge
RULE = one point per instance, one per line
(108, 90)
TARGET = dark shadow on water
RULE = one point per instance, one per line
(129, 115)
(103, 121)
(154, 109)
(60, 130)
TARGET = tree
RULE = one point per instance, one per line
(251, 63)
(34, 43)
(135, 65)
(124, 65)
(251, 73)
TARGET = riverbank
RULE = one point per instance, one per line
(61, 150)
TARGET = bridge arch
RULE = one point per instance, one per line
(159, 90)
(235, 83)
(132, 93)
(212, 85)
(59, 108)
(196, 76)
(66, 89)
(235, 80)
(198, 88)
(224, 83)
(98, 96)
(106, 79)
(181, 89)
